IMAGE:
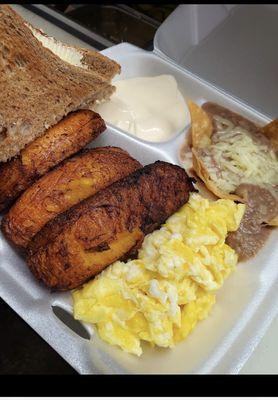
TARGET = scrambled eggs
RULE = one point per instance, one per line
(160, 296)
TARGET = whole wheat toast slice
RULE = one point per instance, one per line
(42, 80)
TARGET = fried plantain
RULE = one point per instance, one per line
(64, 139)
(108, 226)
(70, 182)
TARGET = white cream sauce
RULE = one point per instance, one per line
(151, 108)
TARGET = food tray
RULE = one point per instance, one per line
(245, 306)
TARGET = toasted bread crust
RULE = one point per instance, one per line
(71, 182)
(59, 142)
(89, 59)
(37, 87)
(79, 243)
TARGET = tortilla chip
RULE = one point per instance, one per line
(202, 172)
(273, 222)
(201, 131)
(201, 126)
(271, 132)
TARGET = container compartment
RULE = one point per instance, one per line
(139, 63)
(245, 305)
(231, 46)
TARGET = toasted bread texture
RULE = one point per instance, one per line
(81, 57)
(38, 88)
(62, 140)
(108, 226)
(71, 182)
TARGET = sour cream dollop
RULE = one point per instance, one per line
(151, 108)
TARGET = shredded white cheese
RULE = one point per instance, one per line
(234, 157)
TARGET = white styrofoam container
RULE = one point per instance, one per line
(232, 46)
(246, 304)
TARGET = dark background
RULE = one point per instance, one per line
(23, 351)
(133, 23)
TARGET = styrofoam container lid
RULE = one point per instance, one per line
(233, 47)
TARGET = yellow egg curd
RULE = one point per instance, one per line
(160, 296)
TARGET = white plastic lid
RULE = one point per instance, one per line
(234, 47)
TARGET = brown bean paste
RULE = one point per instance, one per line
(262, 207)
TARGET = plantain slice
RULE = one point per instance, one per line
(60, 141)
(79, 243)
(69, 183)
